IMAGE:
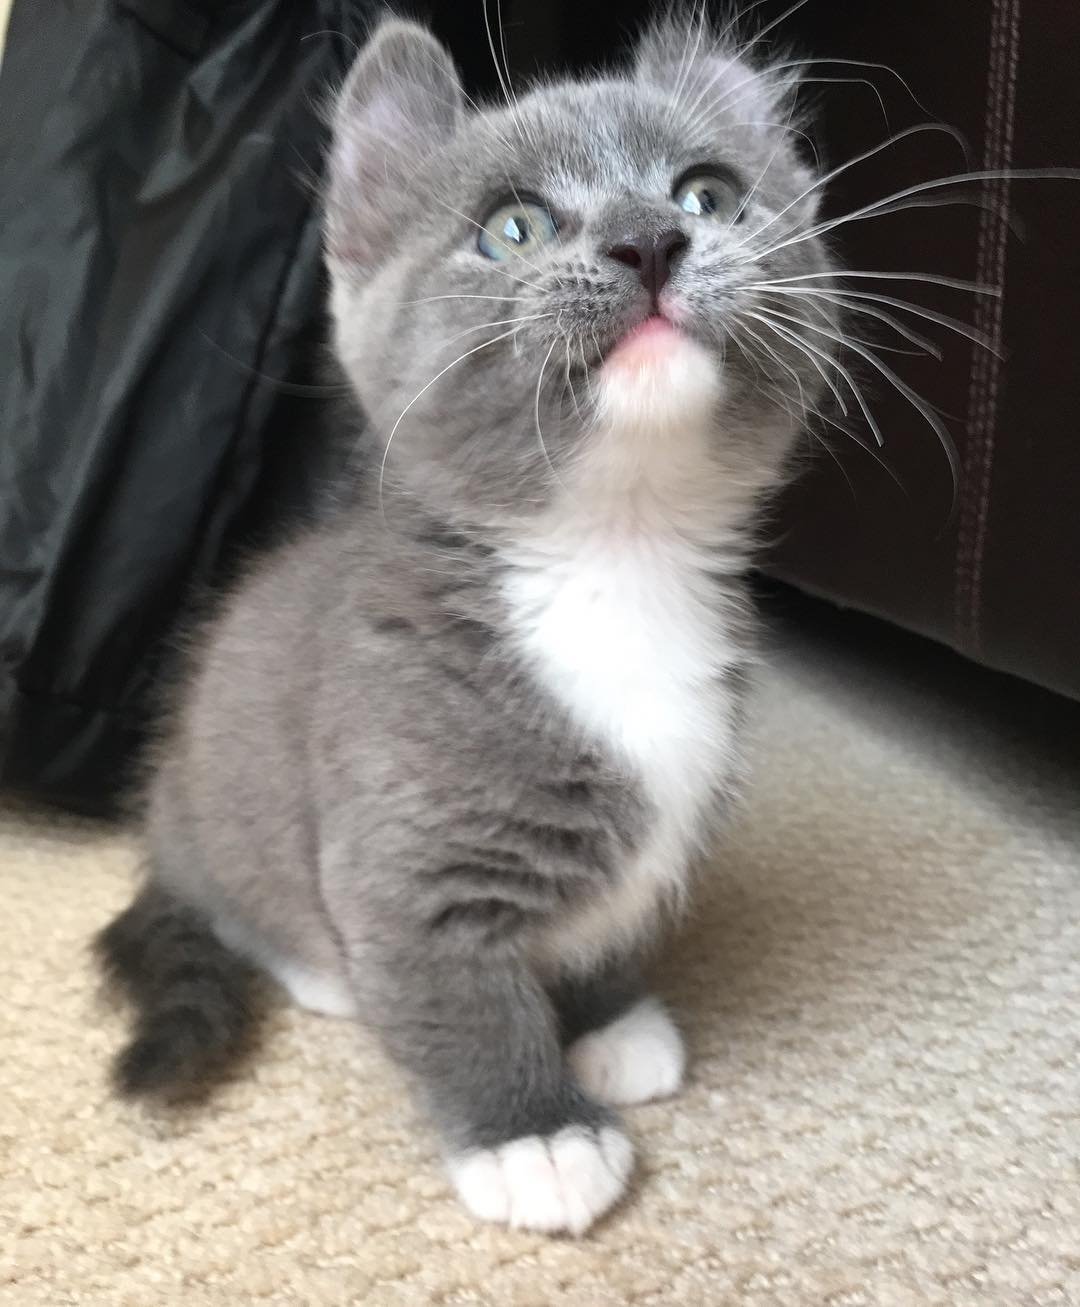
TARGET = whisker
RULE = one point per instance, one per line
(569, 379)
(686, 61)
(480, 326)
(801, 342)
(478, 111)
(892, 72)
(840, 169)
(891, 203)
(304, 390)
(504, 82)
(502, 40)
(520, 281)
(868, 64)
(775, 396)
(430, 299)
(738, 16)
(423, 390)
(793, 236)
(816, 435)
(536, 415)
(722, 104)
(474, 106)
(781, 363)
(927, 346)
(770, 26)
(585, 367)
(931, 278)
(760, 178)
(809, 353)
(333, 31)
(853, 437)
(787, 127)
(931, 315)
(771, 71)
(850, 302)
(742, 347)
(920, 405)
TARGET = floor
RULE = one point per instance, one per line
(880, 987)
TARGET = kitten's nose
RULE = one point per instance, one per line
(651, 257)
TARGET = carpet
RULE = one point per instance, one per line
(881, 992)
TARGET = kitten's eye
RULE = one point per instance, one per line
(519, 227)
(706, 193)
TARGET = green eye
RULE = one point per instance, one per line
(706, 193)
(519, 227)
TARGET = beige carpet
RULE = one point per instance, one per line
(882, 995)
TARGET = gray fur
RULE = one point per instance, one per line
(363, 776)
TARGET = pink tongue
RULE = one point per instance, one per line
(650, 340)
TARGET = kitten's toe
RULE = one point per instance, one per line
(638, 1057)
(560, 1182)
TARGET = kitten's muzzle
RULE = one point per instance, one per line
(652, 256)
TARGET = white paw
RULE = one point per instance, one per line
(637, 1057)
(551, 1183)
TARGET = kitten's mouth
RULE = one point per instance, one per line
(648, 331)
(655, 330)
(655, 376)
(649, 337)
(649, 342)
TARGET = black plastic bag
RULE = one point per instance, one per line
(159, 279)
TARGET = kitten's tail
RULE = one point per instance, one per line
(195, 999)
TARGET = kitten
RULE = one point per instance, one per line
(444, 760)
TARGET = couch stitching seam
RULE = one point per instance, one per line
(986, 367)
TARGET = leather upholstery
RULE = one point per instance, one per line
(999, 579)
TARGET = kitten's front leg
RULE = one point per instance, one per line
(623, 1048)
(525, 1145)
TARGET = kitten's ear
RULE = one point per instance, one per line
(401, 101)
(703, 72)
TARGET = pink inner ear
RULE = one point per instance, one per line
(373, 139)
(372, 150)
(384, 118)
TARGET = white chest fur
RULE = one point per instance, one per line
(615, 603)
(623, 630)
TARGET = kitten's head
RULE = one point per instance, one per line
(566, 287)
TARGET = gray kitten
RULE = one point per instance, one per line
(444, 760)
